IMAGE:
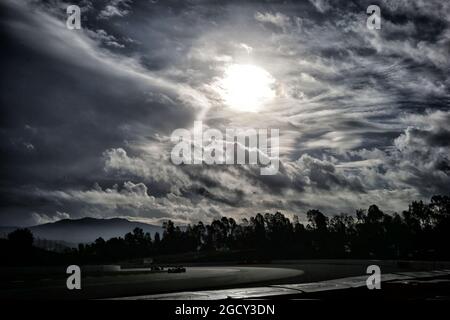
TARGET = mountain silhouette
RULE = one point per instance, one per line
(86, 230)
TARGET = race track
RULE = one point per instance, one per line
(142, 282)
(127, 283)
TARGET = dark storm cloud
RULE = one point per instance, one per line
(86, 115)
(65, 102)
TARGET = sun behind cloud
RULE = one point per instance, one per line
(246, 88)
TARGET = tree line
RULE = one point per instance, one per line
(420, 232)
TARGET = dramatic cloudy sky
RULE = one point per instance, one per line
(86, 115)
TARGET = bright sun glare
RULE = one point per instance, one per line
(247, 87)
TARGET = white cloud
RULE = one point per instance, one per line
(116, 8)
(41, 218)
(103, 37)
(278, 19)
(321, 5)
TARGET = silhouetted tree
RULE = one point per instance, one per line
(421, 232)
(318, 221)
(21, 238)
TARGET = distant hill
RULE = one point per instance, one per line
(86, 230)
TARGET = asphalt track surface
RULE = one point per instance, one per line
(128, 283)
